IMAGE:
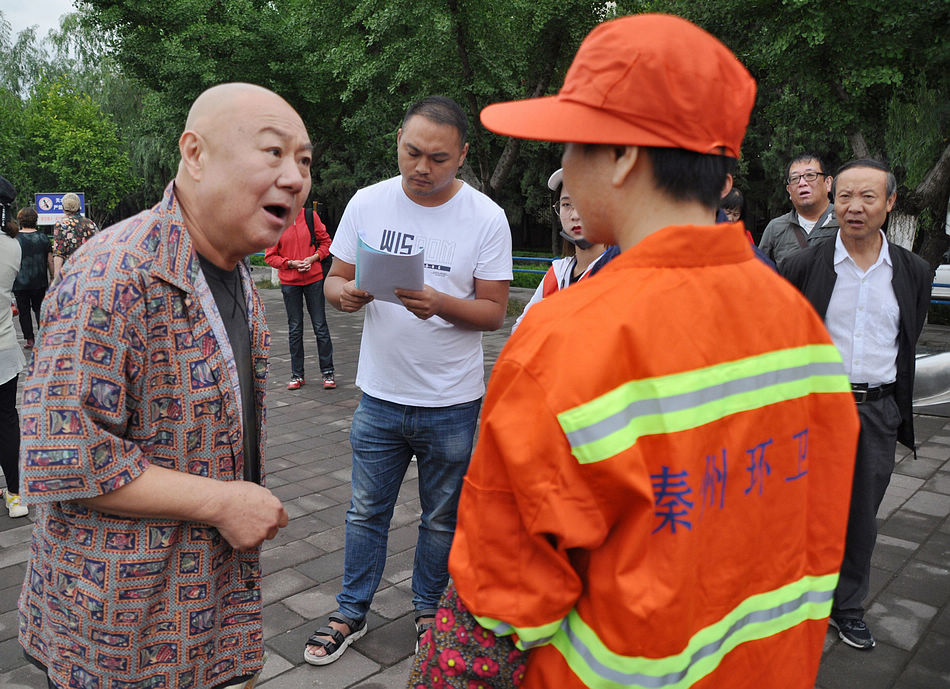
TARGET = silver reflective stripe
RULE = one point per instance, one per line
(657, 406)
(612, 677)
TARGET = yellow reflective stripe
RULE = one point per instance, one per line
(757, 617)
(528, 637)
(613, 422)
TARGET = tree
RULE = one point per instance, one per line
(848, 80)
(351, 67)
(75, 147)
(54, 135)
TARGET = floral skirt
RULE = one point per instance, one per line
(458, 653)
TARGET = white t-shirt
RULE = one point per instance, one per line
(807, 225)
(403, 359)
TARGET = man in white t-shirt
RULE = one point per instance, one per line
(812, 218)
(421, 366)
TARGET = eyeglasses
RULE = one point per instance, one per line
(808, 176)
(563, 207)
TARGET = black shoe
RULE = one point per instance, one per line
(853, 632)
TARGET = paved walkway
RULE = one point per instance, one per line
(308, 460)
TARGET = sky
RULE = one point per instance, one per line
(43, 13)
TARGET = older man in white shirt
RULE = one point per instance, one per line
(873, 296)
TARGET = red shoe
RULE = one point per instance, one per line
(295, 383)
(328, 382)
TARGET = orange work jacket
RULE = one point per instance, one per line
(660, 490)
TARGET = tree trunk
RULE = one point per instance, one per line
(505, 162)
(859, 145)
(931, 194)
(468, 77)
(902, 229)
(510, 153)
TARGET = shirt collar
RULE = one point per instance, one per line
(841, 253)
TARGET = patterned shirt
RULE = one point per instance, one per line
(135, 369)
(70, 233)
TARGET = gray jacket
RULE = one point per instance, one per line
(784, 235)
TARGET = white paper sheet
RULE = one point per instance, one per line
(379, 272)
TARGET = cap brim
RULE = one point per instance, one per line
(554, 119)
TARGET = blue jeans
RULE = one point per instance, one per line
(294, 296)
(384, 436)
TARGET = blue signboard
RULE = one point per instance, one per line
(49, 207)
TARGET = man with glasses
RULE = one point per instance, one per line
(812, 219)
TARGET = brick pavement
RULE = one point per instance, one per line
(308, 461)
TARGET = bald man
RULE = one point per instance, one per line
(143, 420)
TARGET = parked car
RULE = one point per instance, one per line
(942, 277)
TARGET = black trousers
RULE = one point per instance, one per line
(872, 473)
(29, 300)
(10, 435)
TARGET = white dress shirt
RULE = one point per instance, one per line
(863, 317)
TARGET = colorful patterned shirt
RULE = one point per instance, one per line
(70, 233)
(135, 369)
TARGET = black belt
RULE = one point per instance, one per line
(862, 393)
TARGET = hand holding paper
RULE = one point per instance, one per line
(379, 272)
(423, 303)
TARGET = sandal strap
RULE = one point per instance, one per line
(423, 628)
(354, 625)
(336, 638)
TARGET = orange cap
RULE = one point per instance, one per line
(645, 80)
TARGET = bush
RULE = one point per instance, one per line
(530, 280)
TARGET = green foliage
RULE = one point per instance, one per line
(532, 280)
(13, 134)
(830, 76)
(844, 80)
(351, 67)
(75, 147)
(917, 130)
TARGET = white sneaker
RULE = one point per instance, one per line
(14, 507)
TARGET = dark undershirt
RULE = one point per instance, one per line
(228, 293)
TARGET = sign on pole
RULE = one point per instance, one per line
(49, 207)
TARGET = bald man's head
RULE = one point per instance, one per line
(244, 170)
(219, 100)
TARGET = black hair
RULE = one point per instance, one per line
(804, 158)
(891, 184)
(690, 176)
(442, 110)
(734, 199)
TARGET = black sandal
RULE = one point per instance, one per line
(337, 643)
(422, 629)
